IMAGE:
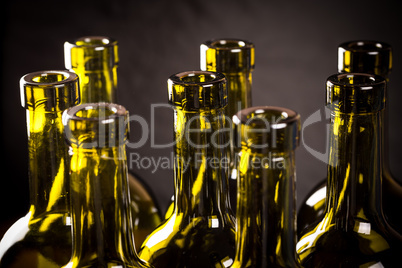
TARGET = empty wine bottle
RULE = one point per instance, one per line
(353, 231)
(235, 59)
(266, 209)
(200, 232)
(100, 202)
(363, 57)
(43, 237)
(95, 60)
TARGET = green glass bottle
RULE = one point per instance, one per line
(235, 59)
(266, 208)
(372, 57)
(200, 232)
(43, 237)
(95, 59)
(353, 231)
(100, 201)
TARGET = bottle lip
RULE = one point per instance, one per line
(215, 77)
(370, 81)
(357, 93)
(283, 116)
(195, 90)
(51, 90)
(29, 79)
(365, 56)
(227, 55)
(116, 109)
(99, 41)
(108, 127)
(365, 46)
(266, 128)
(233, 44)
(88, 52)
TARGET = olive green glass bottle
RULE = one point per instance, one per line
(353, 231)
(363, 57)
(235, 59)
(43, 237)
(266, 208)
(200, 232)
(95, 59)
(100, 209)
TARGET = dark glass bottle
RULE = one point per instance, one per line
(353, 231)
(235, 59)
(363, 57)
(200, 232)
(266, 208)
(95, 59)
(43, 237)
(100, 201)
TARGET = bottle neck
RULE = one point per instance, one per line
(355, 167)
(48, 163)
(239, 89)
(266, 210)
(201, 163)
(100, 207)
(98, 85)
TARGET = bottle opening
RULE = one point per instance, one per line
(266, 128)
(49, 78)
(95, 125)
(228, 43)
(362, 80)
(364, 45)
(96, 112)
(265, 116)
(93, 41)
(197, 78)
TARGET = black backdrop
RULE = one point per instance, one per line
(296, 50)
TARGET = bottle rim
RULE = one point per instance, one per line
(29, 79)
(215, 77)
(266, 128)
(116, 109)
(365, 46)
(356, 93)
(196, 90)
(285, 116)
(108, 127)
(101, 41)
(233, 44)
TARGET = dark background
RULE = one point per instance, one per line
(296, 50)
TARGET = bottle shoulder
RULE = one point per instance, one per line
(42, 242)
(361, 242)
(189, 243)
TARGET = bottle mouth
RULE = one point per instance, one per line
(227, 55)
(365, 56)
(48, 78)
(229, 44)
(356, 93)
(51, 90)
(195, 90)
(91, 53)
(266, 128)
(365, 46)
(96, 125)
(197, 78)
(94, 41)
